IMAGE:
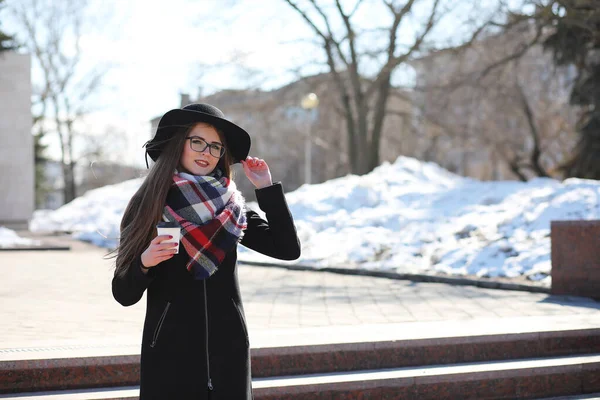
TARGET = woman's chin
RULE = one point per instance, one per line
(198, 171)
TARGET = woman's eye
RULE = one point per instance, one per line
(215, 147)
(196, 141)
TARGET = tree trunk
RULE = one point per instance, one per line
(383, 92)
(351, 142)
(359, 160)
(584, 162)
(536, 152)
(516, 169)
(68, 192)
(71, 181)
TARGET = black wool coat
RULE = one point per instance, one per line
(174, 359)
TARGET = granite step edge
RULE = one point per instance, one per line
(527, 379)
(81, 372)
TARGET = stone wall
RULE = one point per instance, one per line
(17, 175)
(575, 249)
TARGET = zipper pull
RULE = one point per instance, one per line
(210, 386)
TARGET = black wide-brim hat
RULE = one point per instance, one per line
(238, 140)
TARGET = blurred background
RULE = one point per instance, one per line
(451, 92)
(494, 90)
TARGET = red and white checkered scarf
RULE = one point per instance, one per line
(211, 213)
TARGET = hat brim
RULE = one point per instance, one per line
(238, 140)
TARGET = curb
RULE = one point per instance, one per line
(487, 284)
(37, 248)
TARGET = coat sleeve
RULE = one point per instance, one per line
(277, 236)
(129, 288)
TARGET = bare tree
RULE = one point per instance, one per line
(52, 33)
(517, 111)
(279, 126)
(364, 96)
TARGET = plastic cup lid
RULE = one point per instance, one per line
(166, 224)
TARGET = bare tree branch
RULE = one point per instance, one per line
(49, 28)
(331, 36)
(356, 6)
(359, 98)
(307, 19)
(363, 96)
(523, 48)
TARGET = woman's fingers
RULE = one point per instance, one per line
(165, 253)
(252, 160)
(254, 163)
(164, 256)
(160, 238)
(167, 249)
(158, 252)
(165, 246)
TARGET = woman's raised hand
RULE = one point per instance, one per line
(158, 252)
(257, 171)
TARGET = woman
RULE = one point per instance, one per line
(195, 342)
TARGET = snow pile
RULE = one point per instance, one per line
(10, 239)
(94, 217)
(409, 216)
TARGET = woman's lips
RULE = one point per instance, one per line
(202, 163)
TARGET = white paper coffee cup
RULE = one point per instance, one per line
(170, 228)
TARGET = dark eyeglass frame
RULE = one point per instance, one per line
(219, 149)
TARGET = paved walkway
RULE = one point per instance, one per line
(60, 298)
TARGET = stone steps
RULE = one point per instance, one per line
(293, 360)
(592, 396)
(524, 379)
(537, 378)
(442, 357)
(113, 393)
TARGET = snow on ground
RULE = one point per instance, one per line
(94, 217)
(410, 217)
(9, 239)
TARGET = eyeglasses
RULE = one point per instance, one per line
(198, 144)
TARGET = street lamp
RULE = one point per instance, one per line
(309, 102)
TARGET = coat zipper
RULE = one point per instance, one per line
(210, 386)
(159, 325)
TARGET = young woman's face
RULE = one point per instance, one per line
(203, 158)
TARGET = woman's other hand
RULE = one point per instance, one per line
(257, 172)
(158, 252)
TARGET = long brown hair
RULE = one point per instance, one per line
(145, 209)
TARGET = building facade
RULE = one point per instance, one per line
(280, 129)
(17, 173)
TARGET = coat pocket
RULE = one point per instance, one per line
(159, 325)
(242, 322)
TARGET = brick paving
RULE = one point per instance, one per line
(53, 297)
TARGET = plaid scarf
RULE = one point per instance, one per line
(210, 211)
